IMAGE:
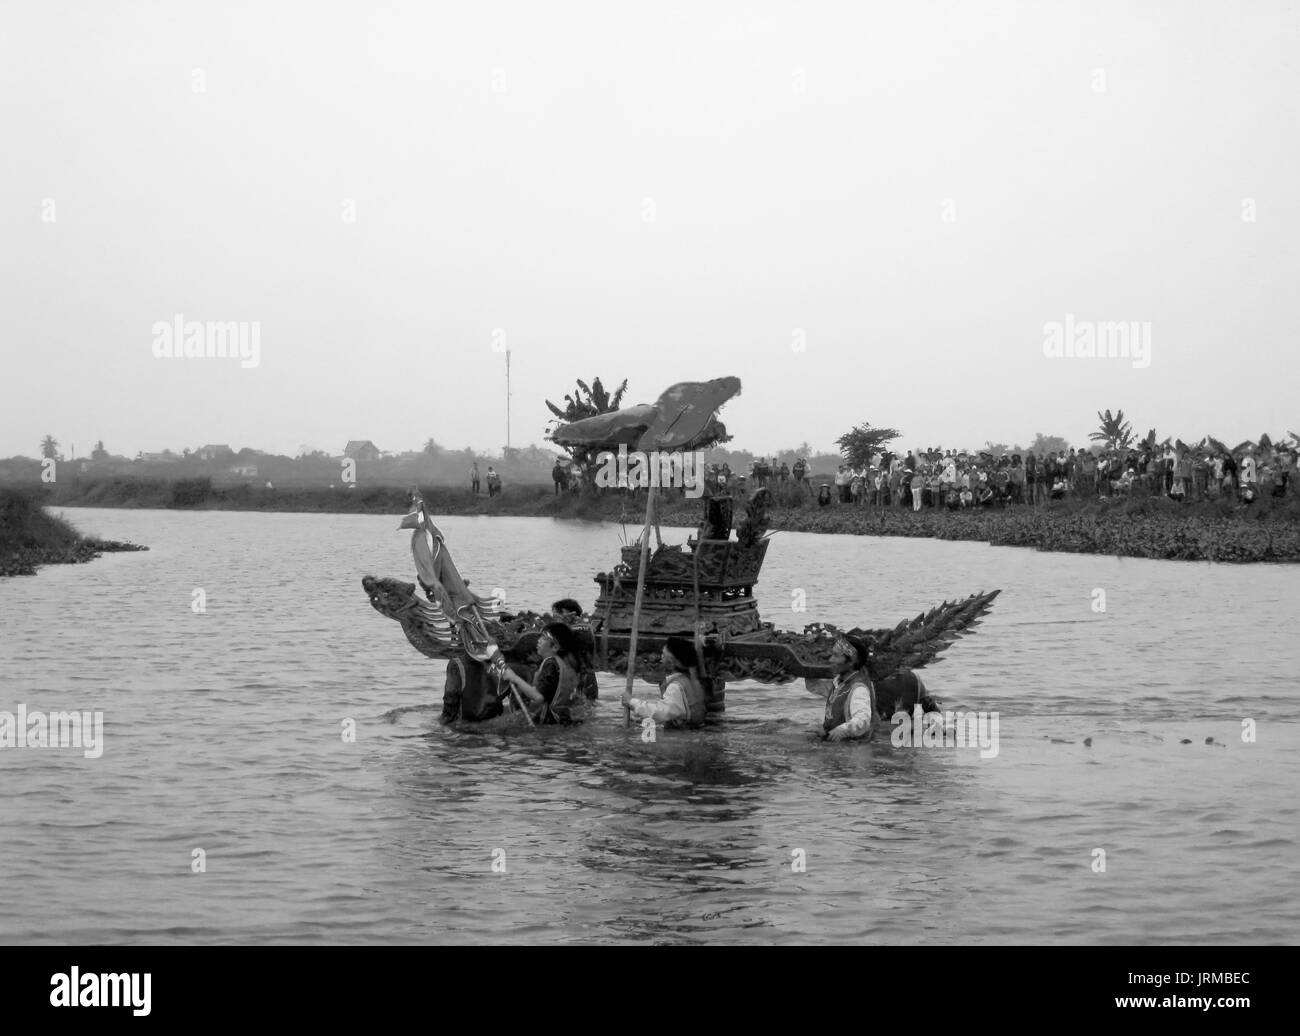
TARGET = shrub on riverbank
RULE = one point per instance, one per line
(30, 536)
(25, 523)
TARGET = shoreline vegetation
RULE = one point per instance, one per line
(29, 536)
(1144, 527)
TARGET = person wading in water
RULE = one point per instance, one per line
(851, 702)
(569, 612)
(681, 695)
(554, 691)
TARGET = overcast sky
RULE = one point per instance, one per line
(867, 214)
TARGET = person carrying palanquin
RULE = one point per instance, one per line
(555, 692)
(681, 695)
(851, 701)
(569, 612)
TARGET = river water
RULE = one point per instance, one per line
(223, 733)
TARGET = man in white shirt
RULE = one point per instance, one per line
(842, 479)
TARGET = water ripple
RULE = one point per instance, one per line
(224, 734)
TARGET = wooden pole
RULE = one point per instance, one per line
(523, 705)
(636, 606)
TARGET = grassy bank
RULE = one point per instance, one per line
(1158, 529)
(29, 536)
(1220, 530)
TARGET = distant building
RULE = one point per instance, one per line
(361, 449)
(158, 458)
(244, 470)
(213, 452)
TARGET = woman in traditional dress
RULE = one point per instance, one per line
(681, 695)
(554, 692)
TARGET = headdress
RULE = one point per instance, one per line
(854, 650)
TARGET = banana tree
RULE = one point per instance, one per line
(585, 401)
(1115, 432)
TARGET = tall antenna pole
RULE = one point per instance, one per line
(507, 399)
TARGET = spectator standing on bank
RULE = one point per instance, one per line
(842, 480)
(1229, 474)
(1183, 472)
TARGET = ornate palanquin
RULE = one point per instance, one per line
(706, 585)
(702, 590)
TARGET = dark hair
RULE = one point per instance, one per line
(567, 604)
(566, 641)
(684, 651)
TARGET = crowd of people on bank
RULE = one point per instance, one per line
(956, 479)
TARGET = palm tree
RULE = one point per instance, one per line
(1115, 432)
(50, 447)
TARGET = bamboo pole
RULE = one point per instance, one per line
(519, 698)
(636, 606)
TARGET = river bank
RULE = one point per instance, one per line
(1220, 530)
(29, 536)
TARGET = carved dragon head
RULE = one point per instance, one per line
(428, 630)
(390, 597)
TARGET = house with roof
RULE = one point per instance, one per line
(361, 449)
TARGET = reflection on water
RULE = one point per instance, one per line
(223, 733)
